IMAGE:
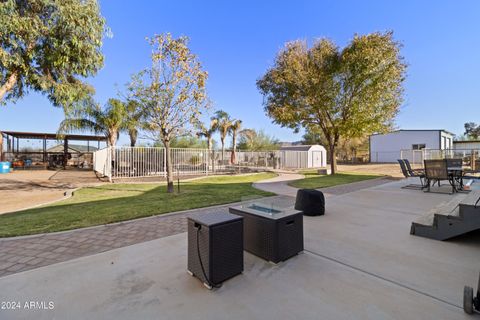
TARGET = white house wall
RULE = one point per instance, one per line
(446, 141)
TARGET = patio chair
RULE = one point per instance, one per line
(436, 171)
(413, 171)
(457, 175)
(477, 166)
(457, 163)
(412, 174)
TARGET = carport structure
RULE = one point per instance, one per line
(10, 145)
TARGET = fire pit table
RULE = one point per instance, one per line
(274, 234)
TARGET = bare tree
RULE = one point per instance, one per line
(171, 93)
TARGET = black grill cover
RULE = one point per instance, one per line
(311, 202)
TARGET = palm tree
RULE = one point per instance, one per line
(224, 122)
(234, 129)
(208, 132)
(133, 114)
(91, 117)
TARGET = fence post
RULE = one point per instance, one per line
(472, 160)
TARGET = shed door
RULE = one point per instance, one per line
(317, 159)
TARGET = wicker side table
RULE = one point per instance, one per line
(275, 237)
(215, 247)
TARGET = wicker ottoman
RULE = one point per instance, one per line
(215, 247)
(311, 202)
(274, 237)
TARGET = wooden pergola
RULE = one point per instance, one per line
(12, 141)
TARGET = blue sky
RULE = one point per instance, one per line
(237, 41)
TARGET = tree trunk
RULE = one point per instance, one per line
(133, 137)
(223, 150)
(8, 86)
(111, 141)
(234, 149)
(168, 158)
(1, 147)
(209, 151)
(333, 158)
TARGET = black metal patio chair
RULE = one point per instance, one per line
(454, 162)
(413, 171)
(436, 171)
(412, 174)
(457, 174)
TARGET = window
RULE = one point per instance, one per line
(419, 146)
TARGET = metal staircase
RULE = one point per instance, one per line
(457, 217)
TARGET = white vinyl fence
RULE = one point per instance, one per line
(414, 156)
(131, 162)
(469, 156)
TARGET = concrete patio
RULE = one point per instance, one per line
(360, 262)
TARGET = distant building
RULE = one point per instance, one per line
(466, 145)
(311, 156)
(387, 147)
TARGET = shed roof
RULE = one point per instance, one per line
(415, 130)
(302, 147)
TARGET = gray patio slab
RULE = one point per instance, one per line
(149, 281)
(369, 230)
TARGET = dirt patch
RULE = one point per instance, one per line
(388, 169)
(23, 189)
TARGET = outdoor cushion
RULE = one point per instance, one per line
(311, 202)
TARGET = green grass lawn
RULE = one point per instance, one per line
(118, 202)
(314, 181)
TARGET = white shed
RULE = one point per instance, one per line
(388, 147)
(304, 156)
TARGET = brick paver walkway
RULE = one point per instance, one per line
(25, 253)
